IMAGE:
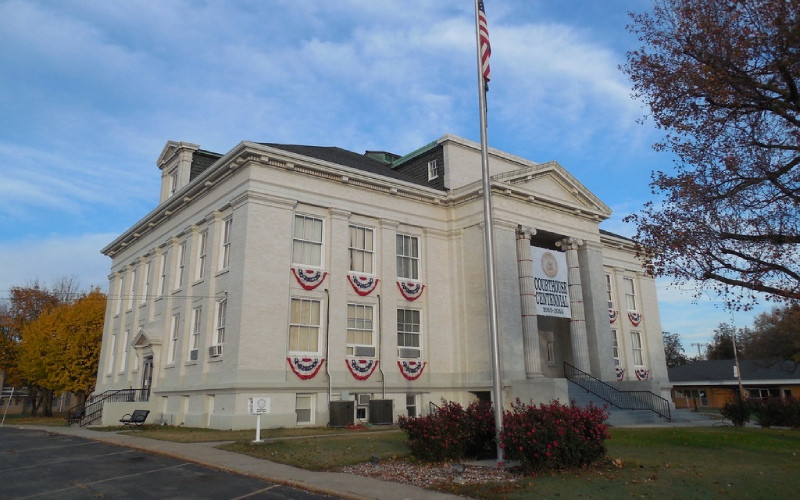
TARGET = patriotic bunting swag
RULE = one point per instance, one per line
(411, 370)
(642, 373)
(309, 278)
(620, 373)
(305, 368)
(361, 368)
(363, 285)
(635, 318)
(411, 291)
(612, 316)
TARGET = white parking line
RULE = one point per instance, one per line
(252, 493)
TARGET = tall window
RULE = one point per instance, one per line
(636, 345)
(433, 170)
(407, 257)
(131, 289)
(359, 330)
(307, 241)
(408, 333)
(112, 352)
(225, 253)
(202, 239)
(615, 347)
(411, 405)
(361, 249)
(162, 275)
(173, 182)
(219, 326)
(146, 287)
(630, 294)
(304, 325)
(180, 265)
(118, 306)
(124, 360)
(551, 353)
(609, 293)
(173, 337)
(194, 339)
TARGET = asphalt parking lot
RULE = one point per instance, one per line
(40, 464)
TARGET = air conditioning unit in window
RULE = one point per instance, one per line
(363, 399)
(406, 353)
(364, 351)
(193, 355)
(215, 351)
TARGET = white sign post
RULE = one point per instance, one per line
(259, 405)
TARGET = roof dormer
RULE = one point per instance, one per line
(175, 163)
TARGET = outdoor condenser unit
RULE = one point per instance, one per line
(342, 413)
(381, 411)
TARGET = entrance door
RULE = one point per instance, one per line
(147, 377)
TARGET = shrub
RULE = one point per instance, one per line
(771, 412)
(439, 436)
(554, 436)
(737, 410)
(480, 438)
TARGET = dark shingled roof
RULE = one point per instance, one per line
(347, 158)
(721, 370)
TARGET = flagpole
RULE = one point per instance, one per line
(488, 239)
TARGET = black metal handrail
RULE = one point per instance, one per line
(433, 408)
(92, 409)
(624, 400)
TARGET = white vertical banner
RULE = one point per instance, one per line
(550, 280)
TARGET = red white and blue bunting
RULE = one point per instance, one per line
(634, 317)
(612, 316)
(642, 373)
(305, 368)
(620, 372)
(309, 278)
(410, 290)
(361, 368)
(363, 285)
(411, 370)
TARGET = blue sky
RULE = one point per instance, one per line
(90, 91)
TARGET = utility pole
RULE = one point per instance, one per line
(698, 348)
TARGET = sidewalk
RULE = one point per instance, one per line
(331, 483)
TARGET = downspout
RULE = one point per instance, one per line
(380, 344)
(328, 348)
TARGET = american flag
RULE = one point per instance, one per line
(485, 46)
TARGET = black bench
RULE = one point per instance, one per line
(136, 418)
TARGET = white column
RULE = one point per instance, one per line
(530, 327)
(578, 338)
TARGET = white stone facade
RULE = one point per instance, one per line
(233, 230)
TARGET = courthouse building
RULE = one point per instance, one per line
(318, 281)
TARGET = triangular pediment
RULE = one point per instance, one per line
(552, 182)
(170, 151)
(143, 339)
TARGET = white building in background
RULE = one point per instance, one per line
(310, 275)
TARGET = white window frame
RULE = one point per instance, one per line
(637, 348)
(173, 181)
(615, 347)
(220, 318)
(194, 338)
(112, 352)
(124, 358)
(433, 170)
(412, 401)
(202, 258)
(174, 330)
(303, 323)
(225, 243)
(407, 248)
(304, 403)
(162, 275)
(180, 265)
(360, 324)
(551, 353)
(609, 292)
(118, 305)
(308, 246)
(361, 249)
(146, 287)
(405, 331)
(131, 289)
(630, 294)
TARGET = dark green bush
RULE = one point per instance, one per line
(737, 410)
(771, 412)
(439, 436)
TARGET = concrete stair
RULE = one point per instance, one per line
(633, 418)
